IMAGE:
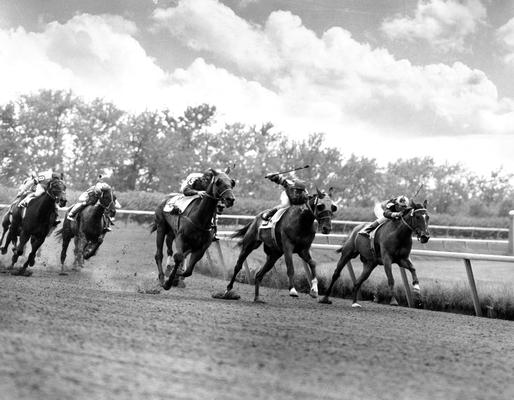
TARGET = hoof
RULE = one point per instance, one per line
(62, 273)
(22, 272)
(313, 293)
(293, 292)
(356, 305)
(161, 279)
(259, 301)
(416, 288)
(226, 295)
(325, 300)
(393, 302)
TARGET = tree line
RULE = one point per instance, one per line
(156, 150)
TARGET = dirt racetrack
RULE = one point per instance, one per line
(96, 334)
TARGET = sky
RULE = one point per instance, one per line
(383, 79)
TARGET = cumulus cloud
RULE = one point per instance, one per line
(281, 71)
(444, 24)
(505, 35)
(334, 80)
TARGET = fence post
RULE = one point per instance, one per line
(511, 233)
(473, 287)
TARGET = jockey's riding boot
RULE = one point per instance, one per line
(368, 229)
(266, 216)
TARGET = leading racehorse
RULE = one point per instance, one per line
(191, 231)
(293, 234)
(392, 244)
(39, 219)
(88, 229)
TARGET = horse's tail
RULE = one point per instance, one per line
(153, 227)
(240, 233)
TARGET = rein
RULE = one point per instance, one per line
(217, 198)
(411, 214)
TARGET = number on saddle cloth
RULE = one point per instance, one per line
(177, 204)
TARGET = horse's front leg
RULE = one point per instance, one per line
(178, 258)
(18, 250)
(305, 255)
(288, 258)
(35, 244)
(390, 279)
(170, 237)
(159, 243)
(407, 264)
(193, 259)
(78, 251)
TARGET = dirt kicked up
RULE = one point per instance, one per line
(96, 334)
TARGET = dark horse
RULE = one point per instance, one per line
(88, 229)
(392, 244)
(294, 233)
(37, 223)
(191, 231)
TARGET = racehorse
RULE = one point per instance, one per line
(392, 244)
(191, 231)
(88, 229)
(39, 219)
(293, 234)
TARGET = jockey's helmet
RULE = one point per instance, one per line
(299, 185)
(402, 201)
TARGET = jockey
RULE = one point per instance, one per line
(393, 209)
(35, 186)
(295, 193)
(89, 198)
(195, 183)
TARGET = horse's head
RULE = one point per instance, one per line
(108, 202)
(56, 189)
(220, 187)
(323, 209)
(417, 217)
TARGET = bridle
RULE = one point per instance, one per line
(220, 196)
(411, 214)
(318, 215)
(111, 202)
(55, 197)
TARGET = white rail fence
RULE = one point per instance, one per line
(338, 238)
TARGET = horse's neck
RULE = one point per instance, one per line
(203, 214)
(402, 230)
(42, 205)
(306, 217)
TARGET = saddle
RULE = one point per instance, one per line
(178, 203)
(267, 228)
(372, 238)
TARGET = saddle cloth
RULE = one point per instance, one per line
(179, 201)
(267, 228)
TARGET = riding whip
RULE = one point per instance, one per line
(420, 187)
(289, 170)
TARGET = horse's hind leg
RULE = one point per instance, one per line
(288, 258)
(368, 267)
(248, 247)
(270, 262)
(390, 279)
(347, 254)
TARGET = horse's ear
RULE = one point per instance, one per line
(330, 191)
(320, 193)
(227, 171)
(425, 203)
(62, 176)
